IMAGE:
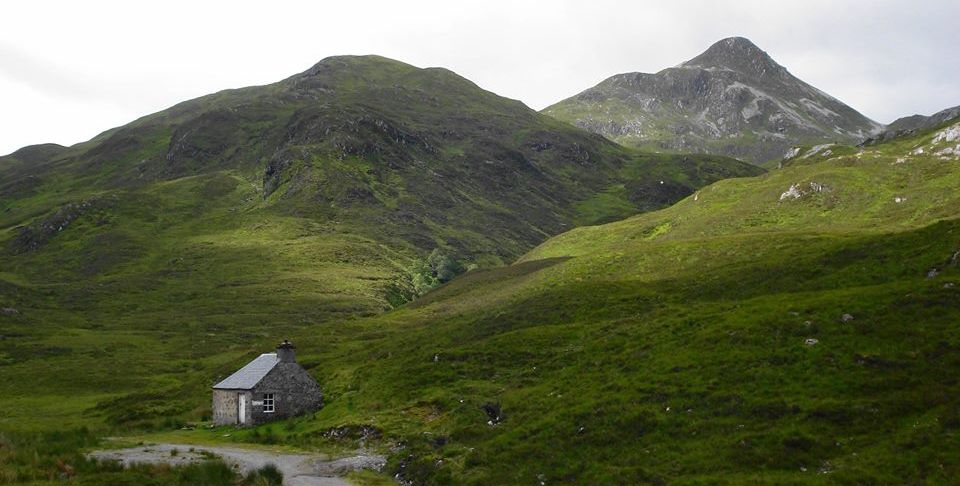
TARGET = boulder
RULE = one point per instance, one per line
(793, 192)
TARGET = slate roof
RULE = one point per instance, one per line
(247, 377)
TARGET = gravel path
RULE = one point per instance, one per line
(297, 469)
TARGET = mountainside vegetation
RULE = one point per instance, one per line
(733, 99)
(373, 160)
(139, 267)
(794, 327)
(797, 327)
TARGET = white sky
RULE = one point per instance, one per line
(69, 70)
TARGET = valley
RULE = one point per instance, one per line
(620, 316)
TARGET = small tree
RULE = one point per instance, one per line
(443, 267)
(421, 277)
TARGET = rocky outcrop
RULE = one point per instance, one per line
(797, 191)
(32, 237)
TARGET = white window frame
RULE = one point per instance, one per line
(269, 403)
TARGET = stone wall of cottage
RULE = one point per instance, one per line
(225, 406)
(294, 391)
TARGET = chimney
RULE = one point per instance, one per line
(285, 352)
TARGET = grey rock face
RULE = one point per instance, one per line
(34, 236)
(733, 100)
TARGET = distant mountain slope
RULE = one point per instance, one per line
(422, 155)
(920, 122)
(201, 231)
(733, 100)
(909, 125)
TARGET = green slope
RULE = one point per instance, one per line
(704, 343)
(355, 151)
(139, 266)
(670, 347)
(328, 182)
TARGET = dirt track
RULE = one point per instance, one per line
(297, 469)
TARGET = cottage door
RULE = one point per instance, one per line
(241, 408)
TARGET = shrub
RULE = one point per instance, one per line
(268, 475)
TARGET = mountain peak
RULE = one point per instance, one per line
(733, 99)
(356, 63)
(735, 44)
(737, 54)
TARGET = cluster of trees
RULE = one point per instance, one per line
(428, 273)
(423, 275)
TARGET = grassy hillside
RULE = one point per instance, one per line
(347, 170)
(739, 336)
(795, 327)
(415, 157)
(139, 267)
(743, 335)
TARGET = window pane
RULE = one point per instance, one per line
(268, 402)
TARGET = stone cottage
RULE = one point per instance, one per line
(272, 386)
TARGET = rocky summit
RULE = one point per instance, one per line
(733, 99)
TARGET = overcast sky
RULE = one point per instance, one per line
(69, 70)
